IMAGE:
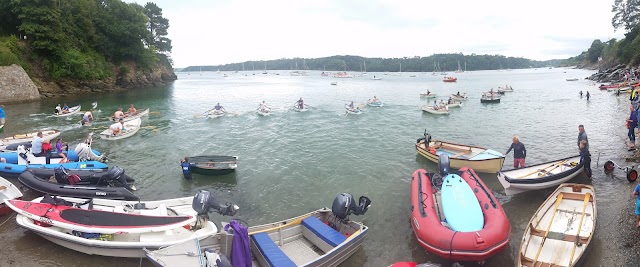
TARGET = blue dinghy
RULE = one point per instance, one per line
(15, 165)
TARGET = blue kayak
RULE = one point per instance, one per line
(460, 205)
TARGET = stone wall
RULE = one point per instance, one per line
(16, 86)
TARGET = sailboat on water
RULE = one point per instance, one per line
(365, 69)
(344, 73)
(265, 68)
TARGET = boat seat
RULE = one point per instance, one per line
(529, 262)
(575, 196)
(461, 153)
(271, 253)
(558, 236)
(322, 235)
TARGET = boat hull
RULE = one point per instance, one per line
(132, 127)
(72, 111)
(513, 185)
(138, 115)
(490, 165)
(13, 170)
(7, 191)
(21, 138)
(429, 109)
(37, 184)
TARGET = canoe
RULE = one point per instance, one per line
(430, 109)
(119, 228)
(264, 112)
(561, 230)
(355, 110)
(28, 137)
(213, 165)
(114, 177)
(375, 104)
(448, 220)
(216, 113)
(59, 188)
(130, 128)
(7, 191)
(478, 158)
(72, 110)
(306, 240)
(428, 95)
(539, 176)
(130, 117)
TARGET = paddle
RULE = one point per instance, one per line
(546, 234)
(557, 164)
(199, 115)
(155, 112)
(587, 196)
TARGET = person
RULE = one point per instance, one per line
(585, 157)
(582, 135)
(632, 123)
(519, 152)
(450, 101)
(351, 106)
(132, 110)
(117, 127)
(36, 145)
(87, 118)
(580, 94)
(65, 108)
(186, 168)
(218, 108)
(458, 93)
(61, 151)
(636, 193)
(263, 106)
(491, 91)
(58, 110)
(300, 103)
(47, 149)
(428, 92)
(435, 104)
(118, 114)
(84, 152)
(375, 99)
(2, 115)
(588, 95)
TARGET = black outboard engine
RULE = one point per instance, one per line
(443, 164)
(344, 205)
(61, 175)
(204, 202)
(114, 173)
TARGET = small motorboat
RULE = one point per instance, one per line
(7, 191)
(213, 165)
(28, 137)
(64, 187)
(129, 129)
(321, 238)
(454, 105)
(18, 161)
(118, 228)
(572, 79)
(376, 104)
(130, 117)
(478, 158)
(71, 111)
(429, 95)
(540, 176)
(354, 110)
(455, 215)
(263, 111)
(440, 111)
(334, 83)
(490, 98)
(450, 79)
(212, 114)
(560, 231)
(458, 97)
(114, 177)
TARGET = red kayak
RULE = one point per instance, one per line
(96, 221)
(427, 221)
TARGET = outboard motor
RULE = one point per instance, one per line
(22, 152)
(344, 205)
(61, 175)
(443, 164)
(204, 202)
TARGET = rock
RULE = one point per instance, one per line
(16, 86)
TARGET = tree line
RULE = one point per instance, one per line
(82, 39)
(626, 16)
(436, 62)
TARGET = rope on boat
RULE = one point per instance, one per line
(493, 203)
(1, 224)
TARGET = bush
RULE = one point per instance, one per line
(79, 65)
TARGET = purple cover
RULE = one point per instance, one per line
(240, 250)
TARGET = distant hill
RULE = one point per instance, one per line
(445, 62)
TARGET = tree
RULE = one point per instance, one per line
(158, 27)
(595, 51)
(626, 14)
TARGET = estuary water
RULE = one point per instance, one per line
(291, 163)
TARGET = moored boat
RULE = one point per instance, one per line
(71, 111)
(455, 215)
(478, 158)
(321, 238)
(215, 113)
(560, 231)
(129, 129)
(119, 228)
(7, 191)
(450, 79)
(432, 110)
(428, 95)
(130, 117)
(539, 176)
(28, 137)
(490, 98)
(213, 165)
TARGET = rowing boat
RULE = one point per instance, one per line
(216, 113)
(354, 110)
(432, 110)
(129, 129)
(478, 158)
(561, 230)
(130, 117)
(28, 137)
(71, 111)
(213, 165)
(7, 191)
(539, 176)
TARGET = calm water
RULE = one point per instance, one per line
(291, 163)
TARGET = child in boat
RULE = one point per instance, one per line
(61, 150)
(186, 168)
(585, 158)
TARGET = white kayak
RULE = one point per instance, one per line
(216, 113)
(130, 128)
(130, 117)
(28, 137)
(439, 111)
(354, 110)
(71, 111)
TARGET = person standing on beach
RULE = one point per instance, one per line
(582, 135)
(636, 193)
(519, 152)
(585, 157)
(632, 123)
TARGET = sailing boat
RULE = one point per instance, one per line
(265, 68)
(459, 69)
(344, 73)
(365, 69)
(442, 72)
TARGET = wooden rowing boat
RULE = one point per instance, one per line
(71, 111)
(560, 231)
(539, 176)
(130, 128)
(213, 165)
(130, 117)
(28, 137)
(479, 159)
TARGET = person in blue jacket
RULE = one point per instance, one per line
(186, 168)
(2, 115)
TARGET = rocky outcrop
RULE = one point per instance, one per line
(613, 74)
(16, 86)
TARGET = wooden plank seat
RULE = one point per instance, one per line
(529, 263)
(559, 236)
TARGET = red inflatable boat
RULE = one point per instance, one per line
(437, 238)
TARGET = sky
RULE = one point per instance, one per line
(213, 32)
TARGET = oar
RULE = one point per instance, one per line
(198, 115)
(155, 112)
(539, 170)
(544, 238)
(294, 222)
(587, 196)
(149, 127)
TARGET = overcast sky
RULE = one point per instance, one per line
(212, 32)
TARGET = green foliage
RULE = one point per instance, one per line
(79, 65)
(10, 52)
(158, 26)
(595, 51)
(446, 62)
(626, 14)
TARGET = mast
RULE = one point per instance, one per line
(242, 66)
(400, 66)
(365, 66)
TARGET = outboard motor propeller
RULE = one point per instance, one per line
(344, 205)
(443, 164)
(204, 202)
